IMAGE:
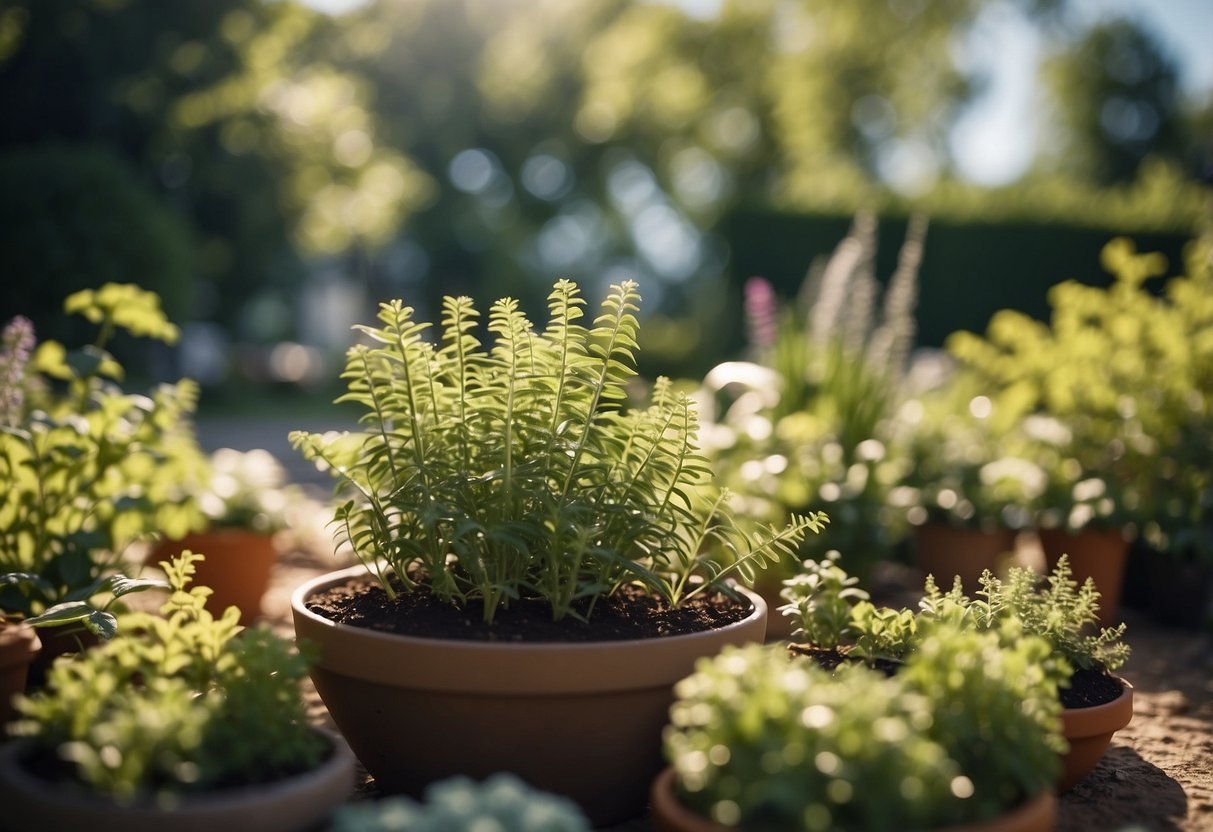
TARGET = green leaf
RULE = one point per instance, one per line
(120, 585)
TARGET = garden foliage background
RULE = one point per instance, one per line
(273, 170)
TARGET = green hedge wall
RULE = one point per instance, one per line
(969, 270)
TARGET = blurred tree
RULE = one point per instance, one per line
(228, 109)
(73, 218)
(1116, 101)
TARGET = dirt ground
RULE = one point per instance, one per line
(1157, 775)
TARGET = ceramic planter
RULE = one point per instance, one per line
(297, 803)
(669, 815)
(945, 551)
(237, 567)
(1094, 553)
(583, 720)
(1089, 731)
(19, 646)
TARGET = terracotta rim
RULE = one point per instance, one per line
(329, 775)
(515, 667)
(669, 815)
(19, 644)
(1100, 719)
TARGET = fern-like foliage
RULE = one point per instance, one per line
(495, 472)
(1061, 612)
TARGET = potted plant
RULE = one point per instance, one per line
(1125, 369)
(1096, 703)
(502, 803)
(761, 741)
(534, 555)
(806, 422)
(968, 489)
(81, 473)
(178, 722)
(246, 508)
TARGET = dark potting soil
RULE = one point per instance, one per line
(1089, 688)
(830, 658)
(630, 613)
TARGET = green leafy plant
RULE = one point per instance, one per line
(1063, 613)
(967, 466)
(502, 803)
(174, 705)
(492, 473)
(761, 742)
(80, 615)
(807, 421)
(1125, 371)
(831, 612)
(81, 473)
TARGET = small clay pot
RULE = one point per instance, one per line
(669, 815)
(1097, 554)
(237, 567)
(947, 551)
(296, 803)
(19, 645)
(1089, 731)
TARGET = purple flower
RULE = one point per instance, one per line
(761, 312)
(16, 348)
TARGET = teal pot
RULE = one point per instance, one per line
(297, 803)
(579, 719)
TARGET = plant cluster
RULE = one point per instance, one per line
(1124, 372)
(807, 422)
(502, 803)
(966, 464)
(1062, 613)
(82, 470)
(763, 742)
(175, 704)
(514, 470)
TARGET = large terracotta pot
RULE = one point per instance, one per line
(237, 567)
(946, 551)
(1096, 554)
(1089, 731)
(579, 719)
(19, 645)
(297, 803)
(669, 815)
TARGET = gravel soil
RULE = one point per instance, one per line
(1157, 775)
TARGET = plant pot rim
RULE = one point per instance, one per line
(18, 639)
(1096, 720)
(666, 804)
(453, 664)
(330, 775)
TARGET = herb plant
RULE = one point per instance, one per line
(806, 422)
(175, 705)
(81, 461)
(493, 473)
(1062, 613)
(830, 611)
(502, 803)
(763, 742)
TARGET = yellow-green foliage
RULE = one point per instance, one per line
(964, 731)
(82, 468)
(1127, 373)
(173, 704)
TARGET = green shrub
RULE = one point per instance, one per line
(174, 705)
(74, 218)
(762, 742)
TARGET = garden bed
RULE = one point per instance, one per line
(1158, 773)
